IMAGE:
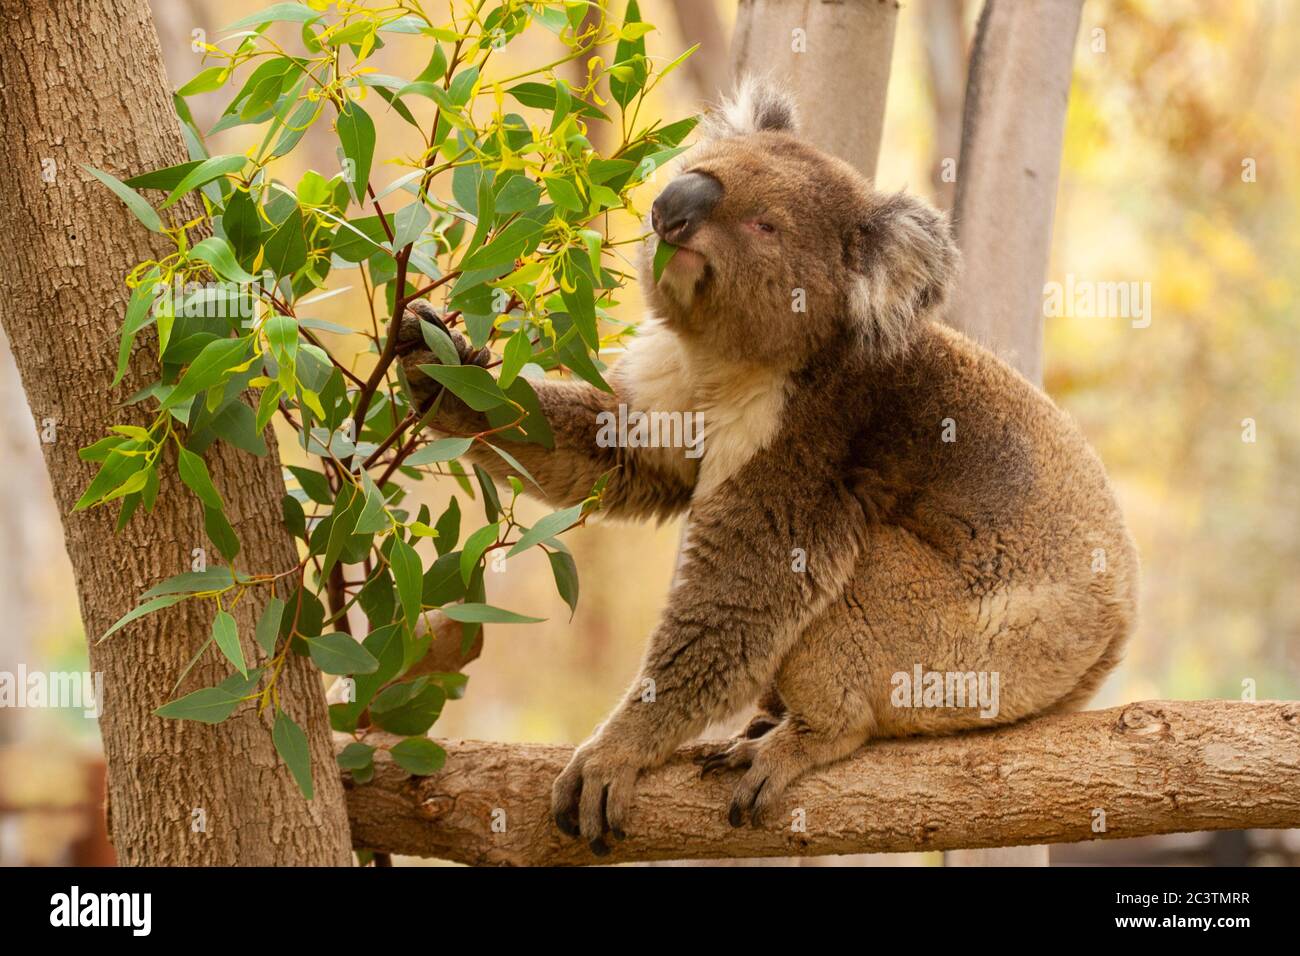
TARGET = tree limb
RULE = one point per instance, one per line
(1151, 767)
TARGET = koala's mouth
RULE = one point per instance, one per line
(687, 266)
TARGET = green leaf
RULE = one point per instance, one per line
(462, 85)
(444, 449)
(448, 528)
(486, 614)
(206, 172)
(442, 583)
(291, 745)
(169, 176)
(408, 576)
(581, 303)
(211, 705)
(342, 524)
(157, 604)
(377, 598)
(218, 253)
(315, 484)
(216, 359)
(410, 221)
(439, 343)
(139, 313)
(205, 81)
(625, 87)
(547, 527)
(216, 578)
(242, 224)
(565, 571)
(357, 135)
(475, 545)
(134, 201)
(491, 501)
(195, 475)
(517, 352)
(268, 625)
(359, 239)
(374, 518)
(118, 467)
(515, 240)
(286, 249)
(225, 633)
(293, 12)
(419, 756)
(564, 194)
(663, 255)
(356, 756)
(518, 193)
(472, 385)
(542, 96)
(409, 708)
(220, 533)
(340, 653)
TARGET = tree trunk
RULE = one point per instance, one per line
(1013, 123)
(834, 57)
(1153, 767)
(83, 83)
(1016, 97)
(943, 35)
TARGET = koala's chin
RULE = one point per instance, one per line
(684, 278)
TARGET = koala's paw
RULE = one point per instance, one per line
(410, 339)
(776, 760)
(413, 352)
(593, 796)
(736, 754)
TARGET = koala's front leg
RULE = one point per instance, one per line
(743, 596)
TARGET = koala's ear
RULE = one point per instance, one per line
(902, 262)
(758, 105)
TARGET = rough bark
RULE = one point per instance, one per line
(1152, 767)
(1014, 121)
(837, 67)
(82, 83)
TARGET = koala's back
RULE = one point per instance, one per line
(994, 544)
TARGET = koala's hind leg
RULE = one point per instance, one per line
(825, 718)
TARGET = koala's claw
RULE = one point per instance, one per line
(592, 798)
(744, 803)
(567, 823)
(411, 339)
(735, 755)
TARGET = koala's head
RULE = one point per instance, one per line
(784, 249)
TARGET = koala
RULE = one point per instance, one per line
(878, 497)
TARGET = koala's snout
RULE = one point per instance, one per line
(683, 205)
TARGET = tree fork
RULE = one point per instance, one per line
(1137, 770)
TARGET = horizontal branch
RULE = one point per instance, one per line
(1152, 767)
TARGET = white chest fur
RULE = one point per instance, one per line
(741, 404)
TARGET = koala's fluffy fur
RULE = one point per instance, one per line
(1000, 551)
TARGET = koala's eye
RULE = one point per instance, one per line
(759, 226)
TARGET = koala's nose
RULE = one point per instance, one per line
(683, 205)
